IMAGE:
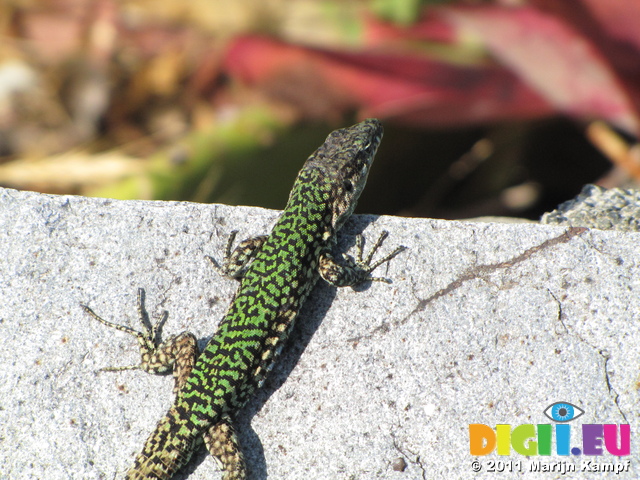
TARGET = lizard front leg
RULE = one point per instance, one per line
(358, 270)
(235, 263)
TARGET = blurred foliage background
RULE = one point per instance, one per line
(503, 107)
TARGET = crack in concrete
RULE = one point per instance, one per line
(560, 313)
(612, 391)
(605, 354)
(417, 461)
(480, 271)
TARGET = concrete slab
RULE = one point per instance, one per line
(483, 324)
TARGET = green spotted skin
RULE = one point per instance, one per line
(277, 275)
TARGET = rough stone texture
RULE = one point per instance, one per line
(483, 323)
(597, 207)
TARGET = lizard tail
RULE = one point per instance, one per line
(168, 448)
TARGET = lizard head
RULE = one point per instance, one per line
(340, 167)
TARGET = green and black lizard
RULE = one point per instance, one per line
(277, 273)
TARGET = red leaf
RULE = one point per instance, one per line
(553, 58)
(543, 65)
(411, 88)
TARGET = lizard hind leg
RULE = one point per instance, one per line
(222, 442)
(177, 353)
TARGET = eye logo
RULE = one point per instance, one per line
(563, 412)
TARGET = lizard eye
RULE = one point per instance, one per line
(348, 186)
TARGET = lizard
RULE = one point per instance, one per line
(277, 273)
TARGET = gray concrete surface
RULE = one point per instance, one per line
(483, 323)
(598, 207)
